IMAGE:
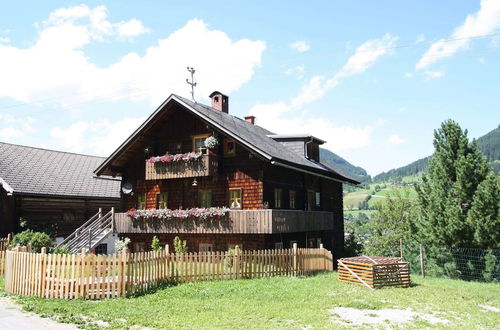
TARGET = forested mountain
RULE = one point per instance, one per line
(489, 144)
(355, 172)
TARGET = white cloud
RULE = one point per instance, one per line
(15, 127)
(4, 40)
(297, 71)
(485, 21)
(99, 137)
(408, 75)
(396, 139)
(420, 39)
(381, 121)
(300, 46)
(433, 74)
(363, 58)
(289, 116)
(56, 66)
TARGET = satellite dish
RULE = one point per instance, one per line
(127, 188)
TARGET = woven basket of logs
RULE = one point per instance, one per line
(374, 272)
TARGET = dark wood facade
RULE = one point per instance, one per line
(59, 216)
(264, 186)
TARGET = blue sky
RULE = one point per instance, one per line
(373, 79)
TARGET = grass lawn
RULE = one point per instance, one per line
(281, 302)
(352, 200)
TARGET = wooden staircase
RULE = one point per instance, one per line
(91, 233)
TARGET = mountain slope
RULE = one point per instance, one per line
(489, 144)
(355, 172)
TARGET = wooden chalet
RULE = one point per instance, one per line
(51, 190)
(278, 190)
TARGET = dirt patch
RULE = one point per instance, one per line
(353, 316)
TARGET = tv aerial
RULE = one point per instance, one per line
(192, 83)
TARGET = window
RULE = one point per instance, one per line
(310, 200)
(141, 201)
(162, 200)
(205, 247)
(205, 196)
(229, 148)
(278, 245)
(175, 148)
(293, 198)
(278, 197)
(199, 143)
(101, 249)
(318, 199)
(235, 198)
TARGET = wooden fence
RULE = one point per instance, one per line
(70, 276)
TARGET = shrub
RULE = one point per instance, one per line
(180, 246)
(61, 250)
(36, 239)
(155, 244)
(121, 244)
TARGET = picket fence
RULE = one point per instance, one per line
(89, 276)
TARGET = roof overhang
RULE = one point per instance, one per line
(6, 187)
(155, 114)
(295, 137)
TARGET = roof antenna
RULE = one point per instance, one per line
(191, 83)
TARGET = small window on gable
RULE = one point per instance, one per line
(292, 199)
(162, 200)
(199, 143)
(205, 196)
(205, 247)
(141, 201)
(278, 197)
(229, 148)
(235, 198)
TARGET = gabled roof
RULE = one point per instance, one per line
(255, 138)
(35, 171)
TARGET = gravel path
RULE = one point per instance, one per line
(13, 318)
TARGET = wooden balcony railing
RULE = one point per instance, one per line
(206, 165)
(236, 222)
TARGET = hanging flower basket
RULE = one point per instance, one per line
(211, 142)
(187, 157)
(200, 213)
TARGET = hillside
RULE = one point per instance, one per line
(489, 144)
(355, 172)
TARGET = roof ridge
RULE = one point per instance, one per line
(52, 150)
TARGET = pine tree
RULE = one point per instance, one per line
(458, 197)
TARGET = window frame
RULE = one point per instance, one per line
(142, 205)
(241, 198)
(226, 152)
(205, 247)
(317, 199)
(203, 150)
(278, 198)
(200, 199)
(293, 193)
(165, 201)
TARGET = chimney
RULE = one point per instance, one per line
(250, 119)
(220, 101)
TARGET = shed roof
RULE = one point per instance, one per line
(35, 171)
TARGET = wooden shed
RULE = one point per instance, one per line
(374, 272)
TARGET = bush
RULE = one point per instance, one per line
(61, 250)
(36, 239)
(155, 244)
(180, 246)
(121, 244)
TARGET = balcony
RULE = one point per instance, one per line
(236, 222)
(206, 165)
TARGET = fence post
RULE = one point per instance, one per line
(9, 238)
(124, 280)
(401, 247)
(236, 263)
(324, 256)
(167, 256)
(43, 270)
(295, 259)
(422, 270)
